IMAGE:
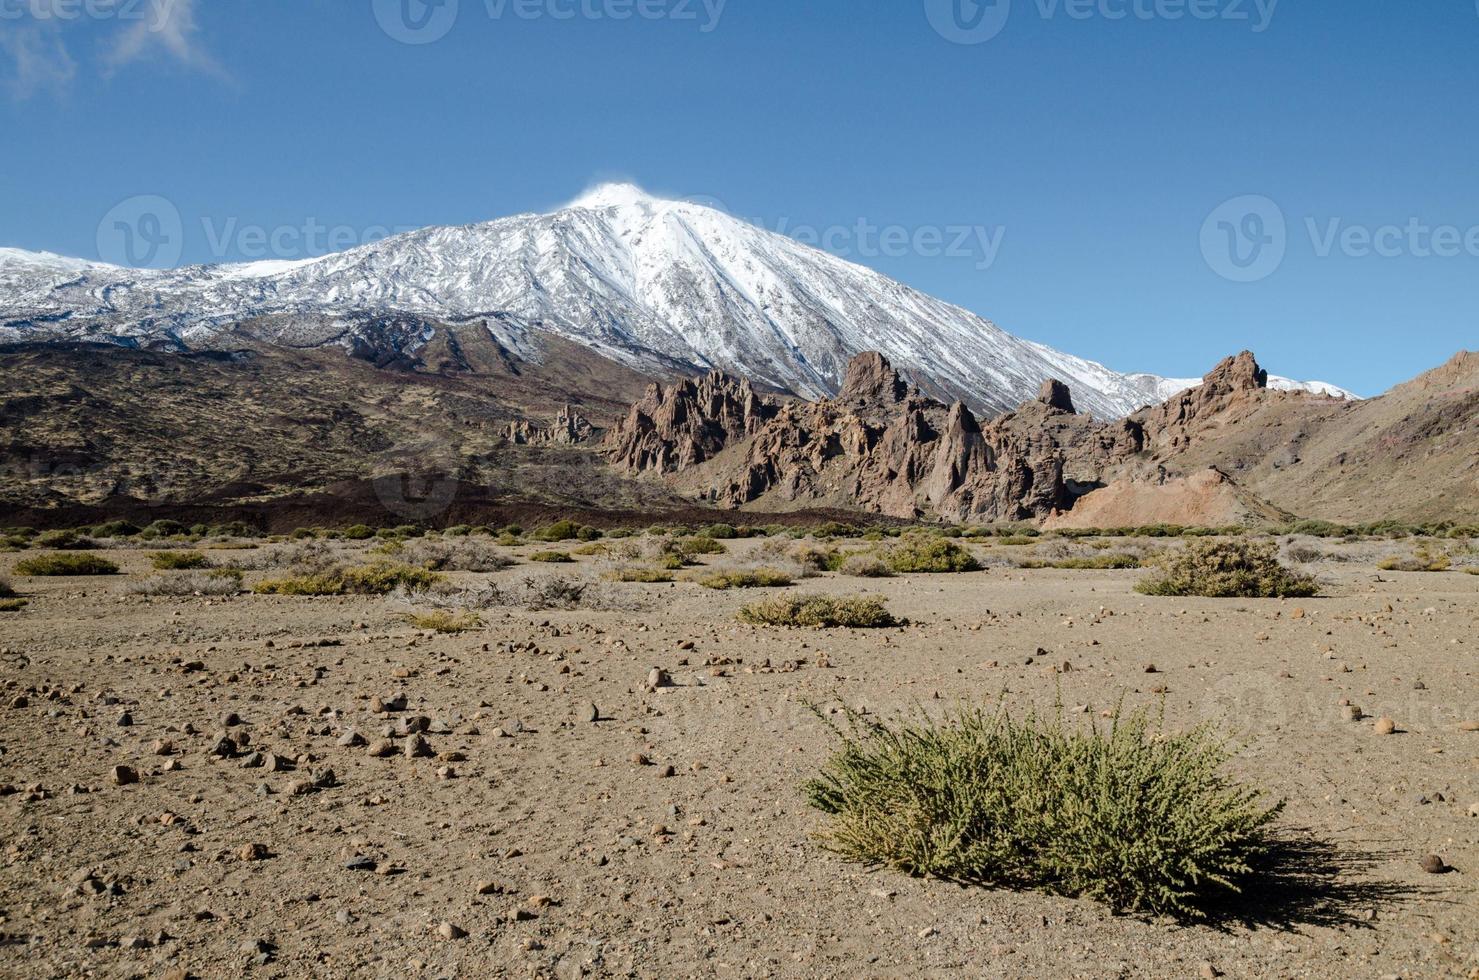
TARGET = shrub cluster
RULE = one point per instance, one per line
(217, 581)
(863, 565)
(178, 560)
(1142, 821)
(552, 557)
(819, 611)
(445, 621)
(1227, 569)
(66, 563)
(376, 578)
(747, 578)
(920, 551)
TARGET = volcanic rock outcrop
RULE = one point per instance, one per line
(569, 428)
(879, 445)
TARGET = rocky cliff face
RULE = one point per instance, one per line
(679, 426)
(879, 445)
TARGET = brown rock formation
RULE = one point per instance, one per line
(1055, 394)
(686, 423)
(569, 428)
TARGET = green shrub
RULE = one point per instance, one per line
(922, 552)
(376, 578)
(1142, 821)
(749, 578)
(552, 557)
(177, 560)
(13, 605)
(445, 621)
(720, 532)
(819, 611)
(691, 547)
(162, 529)
(558, 531)
(114, 529)
(642, 575)
(359, 532)
(66, 563)
(1017, 541)
(1227, 569)
(64, 540)
(457, 531)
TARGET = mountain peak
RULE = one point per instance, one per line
(613, 195)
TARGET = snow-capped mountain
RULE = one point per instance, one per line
(646, 281)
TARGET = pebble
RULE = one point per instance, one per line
(1352, 712)
(418, 748)
(1433, 864)
(253, 852)
(123, 775)
(382, 749)
(449, 931)
(1385, 726)
(1469, 726)
(360, 863)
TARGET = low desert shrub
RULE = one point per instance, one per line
(865, 565)
(217, 581)
(359, 532)
(817, 558)
(445, 621)
(1141, 820)
(13, 605)
(819, 611)
(177, 560)
(114, 529)
(923, 552)
(693, 546)
(747, 578)
(552, 557)
(460, 554)
(649, 575)
(376, 578)
(1114, 560)
(566, 531)
(1424, 559)
(66, 563)
(62, 540)
(1227, 569)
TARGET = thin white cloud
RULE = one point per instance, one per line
(34, 59)
(34, 35)
(168, 27)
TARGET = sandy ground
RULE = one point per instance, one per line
(532, 830)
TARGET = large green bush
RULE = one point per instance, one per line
(66, 563)
(1227, 569)
(924, 552)
(178, 560)
(1142, 821)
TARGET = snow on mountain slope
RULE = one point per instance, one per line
(639, 279)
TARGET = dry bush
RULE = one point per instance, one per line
(819, 611)
(1142, 820)
(638, 574)
(817, 558)
(218, 581)
(456, 554)
(535, 593)
(747, 578)
(1103, 561)
(300, 558)
(1227, 569)
(376, 578)
(445, 621)
(862, 564)
(551, 557)
(1423, 559)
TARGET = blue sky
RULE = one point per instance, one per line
(1092, 144)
